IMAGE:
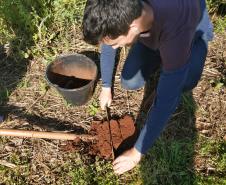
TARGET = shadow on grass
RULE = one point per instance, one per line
(170, 160)
(13, 69)
(19, 18)
(47, 123)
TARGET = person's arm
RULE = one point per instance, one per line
(107, 62)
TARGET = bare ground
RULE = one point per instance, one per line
(32, 105)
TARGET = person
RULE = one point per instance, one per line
(170, 35)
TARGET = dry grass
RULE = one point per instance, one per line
(32, 105)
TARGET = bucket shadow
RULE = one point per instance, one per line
(170, 160)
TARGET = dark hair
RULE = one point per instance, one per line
(110, 18)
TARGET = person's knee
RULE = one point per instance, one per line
(131, 84)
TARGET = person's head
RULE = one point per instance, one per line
(109, 18)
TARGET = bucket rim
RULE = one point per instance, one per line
(64, 89)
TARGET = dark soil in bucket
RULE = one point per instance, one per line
(124, 135)
(67, 82)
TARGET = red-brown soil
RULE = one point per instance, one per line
(123, 132)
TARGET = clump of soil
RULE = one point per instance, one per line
(123, 133)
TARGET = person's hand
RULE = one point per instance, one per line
(105, 97)
(127, 161)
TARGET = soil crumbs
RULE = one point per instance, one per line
(122, 134)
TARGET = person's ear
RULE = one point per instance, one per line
(134, 27)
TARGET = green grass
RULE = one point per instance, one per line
(220, 24)
(100, 173)
(217, 10)
(214, 153)
(36, 29)
(169, 163)
(217, 151)
(18, 174)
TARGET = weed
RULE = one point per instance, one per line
(43, 86)
(36, 24)
(93, 108)
(66, 103)
(18, 174)
(217, 83)
(24, 83)
(220, 24)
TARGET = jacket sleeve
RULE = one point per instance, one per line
(107, 62)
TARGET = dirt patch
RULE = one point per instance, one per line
(123, 131)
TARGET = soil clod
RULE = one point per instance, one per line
(124, 134)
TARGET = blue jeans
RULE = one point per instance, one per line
(142, 62)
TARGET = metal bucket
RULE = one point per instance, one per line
(73, 76)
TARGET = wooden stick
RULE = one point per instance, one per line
(46, 135)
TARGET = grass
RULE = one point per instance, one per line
(217, 11)
(220, 24)
(216, 149)
(40, 30)
(98, 173)
(215, 154)
(168, 163)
